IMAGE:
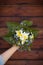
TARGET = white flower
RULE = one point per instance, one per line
(22, 35)
(19, 33)
(31, 36)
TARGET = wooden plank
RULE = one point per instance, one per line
(28, 55)
(4, 31)
(11, 2)
(37, 44)
(24, 62)
(37, 21)
(22, 10)
(4, 44)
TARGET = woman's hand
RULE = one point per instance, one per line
(7, 54)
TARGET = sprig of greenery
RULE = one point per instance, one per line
(25, 26)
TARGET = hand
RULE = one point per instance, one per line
(7, 54)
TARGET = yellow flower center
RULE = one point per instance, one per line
(18, 33)
(25, 37)
(22, 35)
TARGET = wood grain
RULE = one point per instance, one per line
(24, 62)
(34, 54)
(16, 11)
(37, 21)
(26, 55)
(13, 2)
(22, 10)
(37, 44)
(4, 31)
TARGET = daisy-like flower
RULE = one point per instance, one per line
(19, 33)
(22, 35)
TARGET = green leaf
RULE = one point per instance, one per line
(35, 32)
(26, 23)
(9, 34)
(12, 26)
(10, 40)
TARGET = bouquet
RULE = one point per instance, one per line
(21, 34)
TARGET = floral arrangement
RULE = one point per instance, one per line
(21, 34)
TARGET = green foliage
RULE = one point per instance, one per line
(12, 26)
(9, 39)
(26, 26)
(26, 23)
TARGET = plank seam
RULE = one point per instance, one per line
(23, 16)
(21, 4)
(40, 49)
(26, 59)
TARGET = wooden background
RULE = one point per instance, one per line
(18, 10)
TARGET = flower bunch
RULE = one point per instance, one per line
(21, 34)
(24, 36)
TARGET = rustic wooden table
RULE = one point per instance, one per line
(18, 10)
